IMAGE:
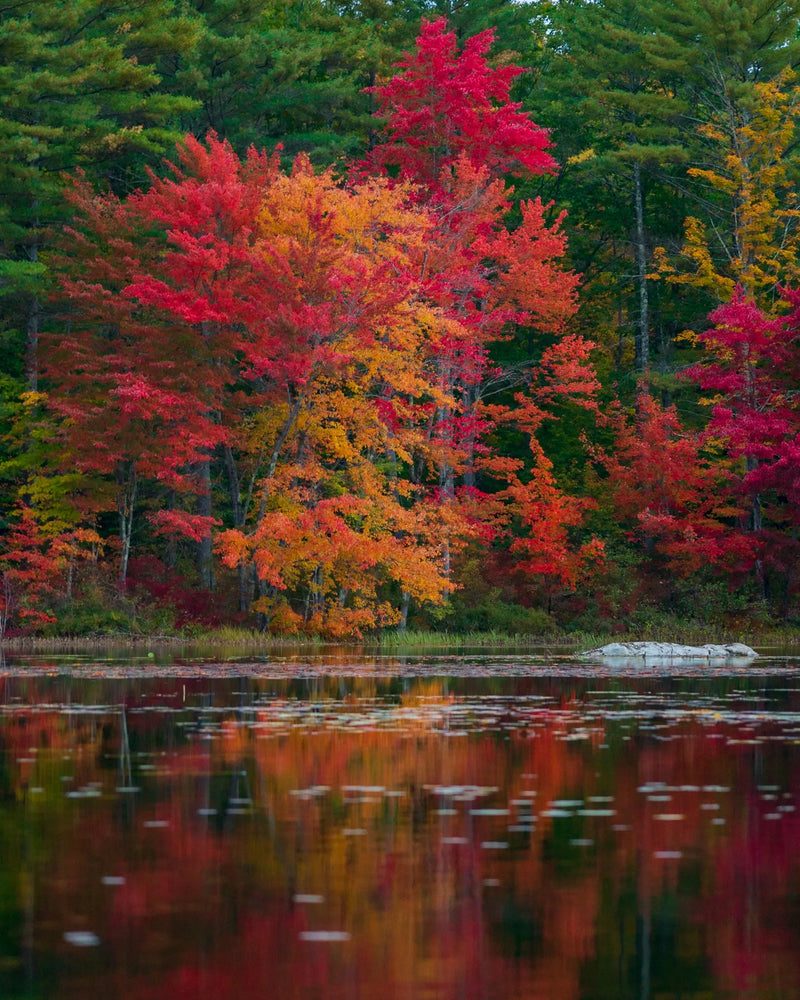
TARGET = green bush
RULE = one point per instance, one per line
(491, 614)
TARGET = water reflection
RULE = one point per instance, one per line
(399, 836)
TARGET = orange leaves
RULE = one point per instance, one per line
(549, 517)
(329, 344)
(529, 275)
(340, 551)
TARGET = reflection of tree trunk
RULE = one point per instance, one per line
(643, 329)
(205, 567)
(644, 929)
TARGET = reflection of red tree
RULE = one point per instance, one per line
(206, 909)
(752, 870)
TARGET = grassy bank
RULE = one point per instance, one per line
(241, 640)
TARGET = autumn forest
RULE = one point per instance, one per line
(326, 318)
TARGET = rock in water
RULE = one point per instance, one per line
(651, 651)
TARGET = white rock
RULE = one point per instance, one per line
(650, 651)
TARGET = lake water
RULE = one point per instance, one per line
(519, 826)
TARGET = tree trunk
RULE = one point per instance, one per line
(402, 625)
(33, 326)
(238, 513)
(642, 359)
(171, 547)
(33, 323)
(126, 502)
(204, 554)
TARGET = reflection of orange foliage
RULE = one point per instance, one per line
(208, 899)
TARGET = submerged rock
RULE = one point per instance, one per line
(673, 651)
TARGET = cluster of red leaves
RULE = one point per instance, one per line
(331, 343)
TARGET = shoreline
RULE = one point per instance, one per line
(243, 641)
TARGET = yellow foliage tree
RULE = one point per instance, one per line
(752, 235)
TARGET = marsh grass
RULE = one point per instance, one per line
(229, 639)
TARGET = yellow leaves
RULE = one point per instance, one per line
(584, 156)
(118, 139)
(315, 211)
(688, 337)
(30, 400)
(698, 267)
(751, 175)
(760, 247)
(721, 183)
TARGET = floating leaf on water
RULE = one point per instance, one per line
(324, 936)
(81, 939)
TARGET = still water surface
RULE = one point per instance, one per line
(472, 827)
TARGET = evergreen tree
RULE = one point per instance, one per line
(613, 100)
(78, 88)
